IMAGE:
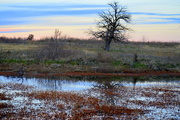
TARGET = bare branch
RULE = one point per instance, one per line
(110, 24)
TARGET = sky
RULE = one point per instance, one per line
(152, 20)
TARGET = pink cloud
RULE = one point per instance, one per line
(6, 30)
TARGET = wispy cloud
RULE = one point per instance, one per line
(12, 22)
(155, 18)
(17, 14)
(154, 14)
(16, 30)
(50, 9)
(58, 6)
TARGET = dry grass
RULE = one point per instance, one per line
(3, 97)
(94, 104)
(3, 105)
(90, 54)
(17, 47)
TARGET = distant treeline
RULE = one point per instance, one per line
(12, 40)
(70, 39)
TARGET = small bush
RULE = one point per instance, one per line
(116, 63)
(51, 62)
(104, 57)
(139, 65)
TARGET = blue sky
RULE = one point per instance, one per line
(156, 20)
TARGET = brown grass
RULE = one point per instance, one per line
(86, 107)
(117, 110)
(68, 97)
(3, 105)
(3, 97)
(83, 107)
(105, 110)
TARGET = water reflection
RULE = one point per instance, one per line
(60, 84)
(76, 84)
(107, 91)
(135, 79)
(113, 92)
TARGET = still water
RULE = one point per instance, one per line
(84, 83)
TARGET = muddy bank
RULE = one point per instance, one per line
(123, 74)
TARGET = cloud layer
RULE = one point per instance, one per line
(15, 14)
(149, 18)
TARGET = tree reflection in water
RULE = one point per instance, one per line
(108, 91)
(50, 84)
(112, 92)
(135, 79)
(16, 79)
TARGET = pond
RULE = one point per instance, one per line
(83, 83)
(90, 97)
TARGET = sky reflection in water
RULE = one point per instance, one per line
(62, 84)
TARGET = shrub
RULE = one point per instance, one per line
(52, 50)
(139, 65)
(116, 63)
(12, 40)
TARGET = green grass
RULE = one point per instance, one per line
(19, 61)
(27, 62)
(52, 62)
(116, 63)
(139, 65)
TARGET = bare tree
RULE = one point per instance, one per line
(57, 34)
(30, 37)
(110, 25)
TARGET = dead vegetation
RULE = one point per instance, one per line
(127, 103)
(4, 97)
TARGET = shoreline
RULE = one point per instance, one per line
(74, 74)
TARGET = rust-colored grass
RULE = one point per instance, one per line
(124, 74)
(149, 94)
(84, 107)
(139, 102)
(105, 110)
(117, 110)
(3, 97)
(3, 105)
(53, 96)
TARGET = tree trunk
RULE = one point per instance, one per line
(107, 44)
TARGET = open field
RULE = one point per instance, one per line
(73, 55)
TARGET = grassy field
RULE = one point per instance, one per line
(74, 55)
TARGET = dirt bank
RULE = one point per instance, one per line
(124, 74)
